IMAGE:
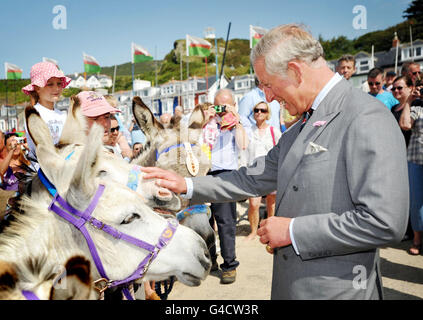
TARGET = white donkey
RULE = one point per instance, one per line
(36, 231)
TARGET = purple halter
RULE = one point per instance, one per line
(79, 220)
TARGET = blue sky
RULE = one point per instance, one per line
(105, 29)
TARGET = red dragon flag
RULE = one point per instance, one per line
(197, 46)
(91, 65)
(139, 54)
(12, 71)
(256, 33)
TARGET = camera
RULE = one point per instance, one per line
(220, 109)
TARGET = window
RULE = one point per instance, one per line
(418, 51)
(202, 98)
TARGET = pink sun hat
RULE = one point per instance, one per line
(94, 104)
(41, 72)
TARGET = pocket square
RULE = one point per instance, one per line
(313, 148)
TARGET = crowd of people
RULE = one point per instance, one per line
(255, 154)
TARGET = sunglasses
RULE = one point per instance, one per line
(260, 110)
(397, 88)
(114, 129)
(374, 83)
(415, 73)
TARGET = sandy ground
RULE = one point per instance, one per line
(402, 273)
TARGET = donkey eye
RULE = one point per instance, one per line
(130, 218)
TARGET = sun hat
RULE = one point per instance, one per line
(94, 104)
(41, 72)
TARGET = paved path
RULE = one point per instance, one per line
(402, 273)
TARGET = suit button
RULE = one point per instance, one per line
(295, 188)
(284, 256)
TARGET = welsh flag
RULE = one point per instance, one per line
(91, 65)
(12, 71)
(139, 54)
(256, 33)
(198, 47)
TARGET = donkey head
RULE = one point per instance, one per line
(176, 147)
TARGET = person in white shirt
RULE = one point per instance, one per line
(263, 138)
(45, 89)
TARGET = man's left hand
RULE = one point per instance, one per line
(274, 231)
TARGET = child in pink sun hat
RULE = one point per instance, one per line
(45, 89)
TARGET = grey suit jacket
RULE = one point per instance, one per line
(348, 198)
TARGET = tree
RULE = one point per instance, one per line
(414, 15)
(415, 12)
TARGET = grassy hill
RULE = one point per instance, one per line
(236, 60)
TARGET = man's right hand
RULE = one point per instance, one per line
(166, 179)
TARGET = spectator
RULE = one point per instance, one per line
(124, 136)
(263, 138)
(165, 119)
(96, 109)
(346, 66)
(113, 137)
(15, 168)
(412, 119)
(248, 102)
(136, 133)
(230, 139)
(411, 69)
(389, 80)
(137, 148)
(45, 89)
(401, 89)
(178, 112)
(375, 80)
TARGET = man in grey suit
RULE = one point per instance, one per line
(341, 176)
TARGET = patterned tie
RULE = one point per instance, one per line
(307, 116)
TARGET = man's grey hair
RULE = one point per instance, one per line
(286, 43)
(225, 91)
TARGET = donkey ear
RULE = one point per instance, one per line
(52, 166)
(78, 281)
(75, 128)
(37, 128)
(83, 184)
(145, 118)
(197, 118)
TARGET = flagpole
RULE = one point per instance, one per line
(411, 42)
(114, 79)
(155, 54)
(207, 80)
(224, 55)
(132, 79)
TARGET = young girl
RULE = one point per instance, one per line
(47, 84)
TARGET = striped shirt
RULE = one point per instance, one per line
(415, 147)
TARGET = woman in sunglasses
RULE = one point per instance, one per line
(402, 88)
(412, 119)
(112, 138)
(263, 138)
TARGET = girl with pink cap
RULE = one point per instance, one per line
(45, 89)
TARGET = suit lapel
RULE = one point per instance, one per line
(293, 158)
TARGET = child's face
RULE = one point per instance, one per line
(51, 92)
